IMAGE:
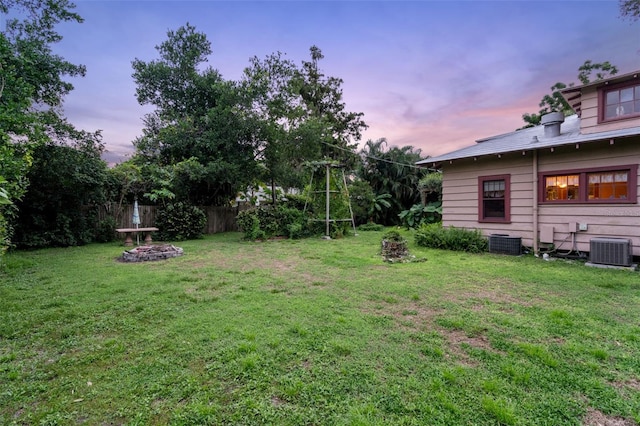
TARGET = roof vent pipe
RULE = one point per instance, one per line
(551, 123)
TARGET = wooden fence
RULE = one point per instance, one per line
(219, 219)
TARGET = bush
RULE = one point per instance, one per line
(418, 214)
(180, 221)
(268, 221)
(371, 227)
(451, 238)
(294, 201)
(362, 201)
(106, 230)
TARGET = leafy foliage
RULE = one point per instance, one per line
(630, 9)
(362, 200)
(180, 221)
(430, 187)
(555, 102)
(451, 238)
(370, 227)
(106, 230)
(418, 214)
(269, 221)
(391, 171)
(56, 210)
(201, 124)
(32, 90)
(303, 117)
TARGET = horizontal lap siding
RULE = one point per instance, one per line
(460, 195)
(603, 220)
(589, 116)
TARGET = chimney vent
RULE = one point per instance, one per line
(551, 123)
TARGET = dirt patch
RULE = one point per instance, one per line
(411, 315)
(629, 384)
(597, 418)
(633, 384)
(276, 401)
(458, 337)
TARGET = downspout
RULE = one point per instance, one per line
(535, 201)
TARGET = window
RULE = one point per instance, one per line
(562, 187)
(608, 185)
(621, 102)
(493, 199)
(597, 185)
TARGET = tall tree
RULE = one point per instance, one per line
(199, 117)
(32, 90)
(555, 102)
(322, 100)
(391, 170)
(630, 9)
(303, 116)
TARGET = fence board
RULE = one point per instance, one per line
(219, 219)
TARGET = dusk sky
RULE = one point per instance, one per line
(437, 75)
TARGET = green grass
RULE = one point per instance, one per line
(314, 332)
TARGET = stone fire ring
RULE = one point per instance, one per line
(151, 253)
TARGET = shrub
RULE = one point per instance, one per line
(451, 238)
(419, 214)
(180, 221)
(294, 201)
(430, 187)
(370, 227)
(268, 221)
(362, 200)
(106, 230)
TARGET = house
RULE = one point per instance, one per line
(565, 184)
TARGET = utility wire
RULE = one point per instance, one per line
(380, 159)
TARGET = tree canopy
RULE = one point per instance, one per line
(391, 170)
(555, 102)
(302, 114)
(199, 117)
(33, 85)
(630, 9)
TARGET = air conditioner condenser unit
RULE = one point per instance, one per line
(611, 251)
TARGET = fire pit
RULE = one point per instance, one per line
(150, 253)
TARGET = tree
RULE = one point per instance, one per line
(275, 104)
(391, 171)
(322, 101)
(630, 9)
(32, 90)
(199, 117)
(303, 117)
(555, 102)
(66, 185)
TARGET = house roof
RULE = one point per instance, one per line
(530, 139)
(534, 137)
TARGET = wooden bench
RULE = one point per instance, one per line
(128, 241)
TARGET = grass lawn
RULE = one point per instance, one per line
(315, 332)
